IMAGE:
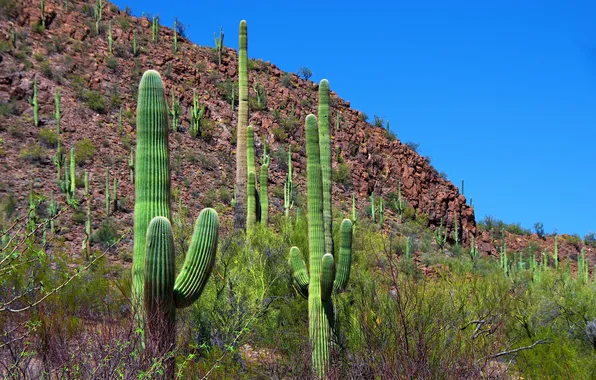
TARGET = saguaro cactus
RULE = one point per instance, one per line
(288, 186)
(325, 277)
(219, 41)
(33, 101)
(325, 152)
(196, 114)
(57, 97)
(241, 168)
(264, 193)
(153, 289)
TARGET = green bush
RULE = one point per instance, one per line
(95, 100)
(84, 150)
(341, 174)
(49, 137)
(33, 152)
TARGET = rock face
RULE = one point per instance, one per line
(70, 56)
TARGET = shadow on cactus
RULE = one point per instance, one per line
(155, 292)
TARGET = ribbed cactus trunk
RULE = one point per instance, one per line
(264, 194)
(325, 153)
(325, 277)
(241, 168)
(152, 182)
(155, 293)
(318, 325)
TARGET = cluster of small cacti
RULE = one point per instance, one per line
(325, 276)
(257, 205)
(400, 203)
(155, 292)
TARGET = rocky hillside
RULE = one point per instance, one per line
(97, 87)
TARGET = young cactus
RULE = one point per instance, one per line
(372, 207)
(196, 115)
(219, 44)
(441, 236)
(98, 12)
(33, 101)
(400, 203)
(131, 165)
(326, 276)
(381, 211)
(264, 193)
(288, 187)
(110, 40)
(107, 192)
(175, 36)
(154, 291)
(57, 116)
(86, 247)
(175, 111)
(155, 29)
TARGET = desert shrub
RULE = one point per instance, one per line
(363, 116)
(539, 229)
(341, 174)
(378, 121)
(412, 145)
(305, 73)
(84, 150)
(49, 137)
(210, 198)
(95, 100)
(286, 80)
(590, 239)
(106, 234)
(33, 152)
(8, 109)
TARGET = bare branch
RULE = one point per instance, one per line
(509, 352)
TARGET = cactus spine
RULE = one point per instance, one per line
(241, 165)
(154, 291)
(219, 41)
(324, 276)
(33, 101)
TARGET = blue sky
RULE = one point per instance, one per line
(501, 94)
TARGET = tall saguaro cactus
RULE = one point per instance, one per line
(264, 193)
(325, 275)
(155, 293)
(325, 152)
(241, 168)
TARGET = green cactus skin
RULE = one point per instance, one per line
(400, 203)
(152, 187)
(33, 101)
(110, 40)
(58, 160)
(52, 211)
(115, 195)
(556, 253)
(288, 186)
(354, 213)
(134, 42)
(345, 255)
(462, 187)
(325, 153)
(175, 37)
(159, 288)
(250, 150)
(155, 292)
(57, 97)
(107, 192)
(73, 178)
(175, 111)
(324, 277)
(155, 29)
(196, 116)
(241, 168)
(199, 259)
(87, 239)
(98, 14)
(251, 209)
(131, 165)
(43, 15)
(219, 42)
(86, 182)
(381, 211)
(264, 194)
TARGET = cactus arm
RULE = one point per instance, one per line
(299, 272)
(325, 157)
(251, 204)
(152, 188)
(199, 259)
(159, 282)
(327, 276)
(345, 255)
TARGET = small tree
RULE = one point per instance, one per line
(305, 73)
(539, 228)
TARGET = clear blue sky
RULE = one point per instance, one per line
(501, 94)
